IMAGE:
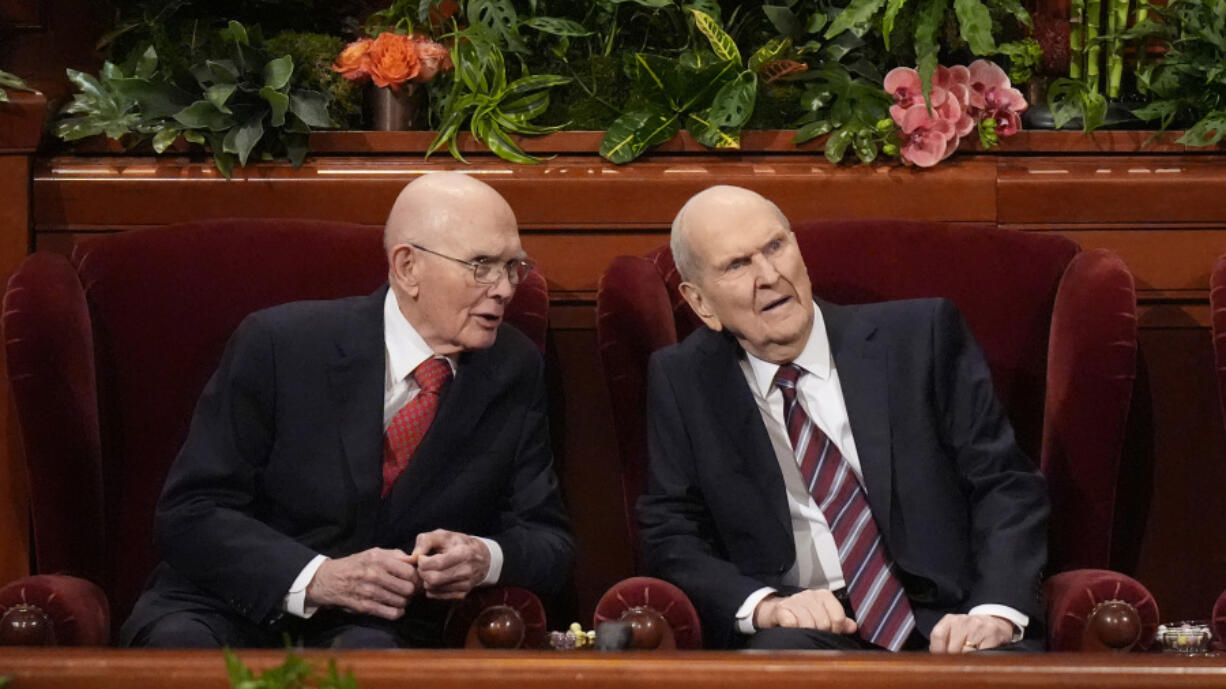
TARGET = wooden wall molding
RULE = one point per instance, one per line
(102, 669)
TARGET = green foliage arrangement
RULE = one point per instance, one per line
(915, 27)
(294, 673)
(709, 92)
(1188, 84)
(493, 106)
(240, 103)
(313, 55)
(1099, 38)
(10, 81)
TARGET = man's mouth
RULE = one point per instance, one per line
(776, 303)
(490, 318)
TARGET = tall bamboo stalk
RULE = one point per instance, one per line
(1094, 11)
(1076, 40)
(1117, 22)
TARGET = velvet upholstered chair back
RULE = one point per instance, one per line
(1057, 325)
(109, 349)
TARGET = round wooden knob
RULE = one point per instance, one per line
(500, 626)
(1116, 624)
(26, 625)
(647, 627)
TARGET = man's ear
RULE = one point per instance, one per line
(694, 297)
(402, 268)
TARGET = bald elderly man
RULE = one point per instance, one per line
(827, 476)
(309, 498)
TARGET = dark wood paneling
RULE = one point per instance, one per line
(20, 126)
(62, 35)
(23, 15)
(1183, 559)
(1053, 190)
(1162, 259)
(570, 192)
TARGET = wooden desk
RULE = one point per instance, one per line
(102, 669)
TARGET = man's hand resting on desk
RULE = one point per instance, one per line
(451, 564)
(373, 582)
(966, 633)
(811, 609)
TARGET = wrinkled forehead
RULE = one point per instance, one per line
(733, 227)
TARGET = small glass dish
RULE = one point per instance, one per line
(1185, 637)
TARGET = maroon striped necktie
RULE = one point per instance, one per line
(883, 613)
(410, 424)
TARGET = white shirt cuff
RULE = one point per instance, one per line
(295, 601)
(1005, 612)
(492, 576)
(744, 614)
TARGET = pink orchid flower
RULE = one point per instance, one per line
(993, 96)
(949, 95)
(928, 140)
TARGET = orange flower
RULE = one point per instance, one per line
(354, 61)
(393, 60)
(435, 58)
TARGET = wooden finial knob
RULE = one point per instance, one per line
(648, 628)
(499, 626)
(1115, 624)
(26, 625)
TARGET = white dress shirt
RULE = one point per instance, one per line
(405, 351)
(820, 394)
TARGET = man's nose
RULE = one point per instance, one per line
(502, 287)
(765, 269)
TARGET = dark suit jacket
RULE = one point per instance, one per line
(283, 461)
(962, 511)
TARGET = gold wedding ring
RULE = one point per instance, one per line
(968, 644)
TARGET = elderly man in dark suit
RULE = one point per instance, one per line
(827, 476)
(355, 463)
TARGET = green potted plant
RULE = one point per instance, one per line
(239, 102)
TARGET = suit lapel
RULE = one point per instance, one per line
(862, 363)
(740, 421)
(356, 381)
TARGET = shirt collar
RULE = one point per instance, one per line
(406, 350)
(814, 358)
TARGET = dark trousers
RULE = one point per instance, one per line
(211, 628)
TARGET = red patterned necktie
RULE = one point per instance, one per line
(410, 424)
(883, 612)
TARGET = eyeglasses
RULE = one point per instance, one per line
(487, 271)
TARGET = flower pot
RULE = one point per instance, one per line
(398, 109)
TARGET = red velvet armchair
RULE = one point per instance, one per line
(1058, 326)
(108, 351)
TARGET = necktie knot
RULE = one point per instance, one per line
(786, 377)
(432, 375)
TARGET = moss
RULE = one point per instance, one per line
(591, 101)
(313, 55)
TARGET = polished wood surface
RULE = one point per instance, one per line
(103, 669)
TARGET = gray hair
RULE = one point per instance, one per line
(683, 254)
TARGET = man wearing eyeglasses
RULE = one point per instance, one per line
(355, 465)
